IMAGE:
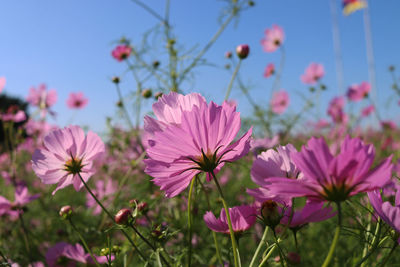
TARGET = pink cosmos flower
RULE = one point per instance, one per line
(72, 252)
(313, 73)
(2, 83)
(261, 144)
(77, 101)
(273, 163)
(357, 92)
(121, 52)
(13, 114)
(336, 110)
(67, 153)
(242, 218)
(42, 98)
(104, 192)
(21, 199)
(269, 70)
(333, 178)
(367, 111)
(188, 137)
(273, 38)
(388, 125)
(38, 129)
(388, 213)
(311, 212)
(279, 102)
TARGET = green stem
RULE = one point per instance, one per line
(228, 217)
(190, 220)
(83, 242)
(335, 238)
(374, 243)
(124, 110)
(217, 249)
(235, 72)
(262, 242)
(267, 256)
(112, 218)
(390, 254)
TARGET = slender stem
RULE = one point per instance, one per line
(190, 220)
(335, 238)
(262, 242)
(228, 217)
(149, 10)
(235, 72)
(390, 254)
(112, 218)
(295, 240)
(3, 256)
(217, 249)
(123, 107)
(375, 245)
(264, 260)
(83, 242)
(278, 76)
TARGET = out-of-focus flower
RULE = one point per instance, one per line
(357, 92)
(350, 6)
(42, 98)
(13, 114)
(67, 153)
(228, 54)
(121, 52)
(388, 125)
(104, 192)
(333, 178)
(242, 218)
(269, 70)
(38, 129)
(72, 252)
(388, 213)
(336, 110)
(2, 83)
(261, 144)
(279, 102)
(313, 73)
(242, 51)
(21, 199)
(273, 38)
(188, 137)
(77, 100)
(365, 112)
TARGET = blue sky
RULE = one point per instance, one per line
(67, 45)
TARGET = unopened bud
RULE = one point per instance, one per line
(147, 93)
(242, 51)
(123, 216)
(156, 64)
(120, 104)
(158, 95)
(323, 87)
(270, 213)
(65, 212)
(228, 54)
(391, 68)
(115, 79)
(251, 3)
(143, 207)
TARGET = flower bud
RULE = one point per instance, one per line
(115, 79)
(147, 93)
(158, 95)
(120, 104)
(228, 54)
(104, 252)
(242, 51)
(123, 216)
(156, 64)
(143, 207)
(270, 213)
(65, 212)
(293, 258)
(391, 68)
(251, 3)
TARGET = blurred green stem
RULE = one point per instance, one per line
(390, 253)
(123, 107)
(264, 260)
(262, 242)
(335, 238)
(235, 72)
(189, 213)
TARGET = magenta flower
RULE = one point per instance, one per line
(367, 110)
(42, 98)
(269, 164)
(273, 38)
(21, 199)
(388, 125)
(13, 114)
(388, 213)
(242, 218)
(313, 73)
(121, 52)
(190, 137)
(67, 153)
(72, 252)
(104, 192)
(357, 92)
(2, 83)
(261, 144)
(333, 178)
(311, 212)
(269, 70)
(336, 110)
(77, 100)
(279, 102)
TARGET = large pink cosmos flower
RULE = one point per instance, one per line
(77, 100)
(279, 102)
(333, 178)
(67, 153)
(42, 98)
(273, 38)
(388, 213)
(121, 52)
(357, 92)
(242, 218)
(313, 73)
(188, 137)
(72, 252)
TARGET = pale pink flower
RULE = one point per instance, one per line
(67, 153)
(121, 52)
(13, 114)
(42, 98)
(367, 110)
(336, 110)
(2, 83)
(279, 102)
(77, 100)
(357, 92)
(273, 38)
(104, 192)
(269, 70)
(313, 73)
